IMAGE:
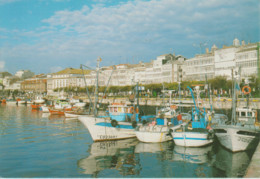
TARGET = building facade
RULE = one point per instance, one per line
(221, 62)
(37, 84)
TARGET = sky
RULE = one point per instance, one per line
(46, 36)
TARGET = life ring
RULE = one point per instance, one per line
(248, 90)
(134, 124)
(114, 123)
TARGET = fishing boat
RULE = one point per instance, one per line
(194, 133)
(243, 132)
(35, 106)
(61, 104)
(38, 100)
(56, 111)
(21, 101)
(75, 113)
(159, 130)
(153, 133)
(11, 102)
(116, 125)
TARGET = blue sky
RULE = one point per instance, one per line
(49, 35)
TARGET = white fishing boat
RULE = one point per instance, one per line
(61, 104)
(244, 130)
(38, 100)
(102, 129)
(153, 133)
(237, 138)
(80, 104)
(75, 114)
(192, 137)
(159, 129)
(11, 102)
(45, 109)
(195, 133)
(116, 125)
(21, 100)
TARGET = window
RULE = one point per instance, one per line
(243, 114)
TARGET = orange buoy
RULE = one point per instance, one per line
(248, 90)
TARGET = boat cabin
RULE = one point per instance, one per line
(246, 115)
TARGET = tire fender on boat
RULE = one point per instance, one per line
(114, 123)
(210, 134)
(134, 124)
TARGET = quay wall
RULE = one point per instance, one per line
(253, 170)
(186, 102)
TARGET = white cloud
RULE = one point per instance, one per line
(7, 1)
(2, 65)
(135, 28)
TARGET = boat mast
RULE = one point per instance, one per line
(96, 89)
(90, 101)
(180, 95)
(234, 80)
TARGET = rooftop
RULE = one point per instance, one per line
(72, 71)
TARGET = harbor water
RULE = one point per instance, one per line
(35, 144)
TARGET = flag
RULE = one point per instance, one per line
(237, 87)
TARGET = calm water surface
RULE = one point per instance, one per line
(34, 144)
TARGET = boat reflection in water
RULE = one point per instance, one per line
(231, 164)
(142, 147)
(163, 150)
(116, 155)
(197, 155)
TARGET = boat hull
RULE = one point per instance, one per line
(45, 109)
(56, 112)
(153, 134)
(101, 129)
(236, 138)
(39, 101)
(191, 139)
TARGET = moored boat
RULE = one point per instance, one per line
(75, 114)
(35, 106)
(102, 129)
(153, 133)
(56, 111)
(194, 133)
(38, 100)
(244, 130)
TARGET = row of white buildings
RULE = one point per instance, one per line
(166, 68)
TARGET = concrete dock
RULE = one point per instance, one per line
(253, 170)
